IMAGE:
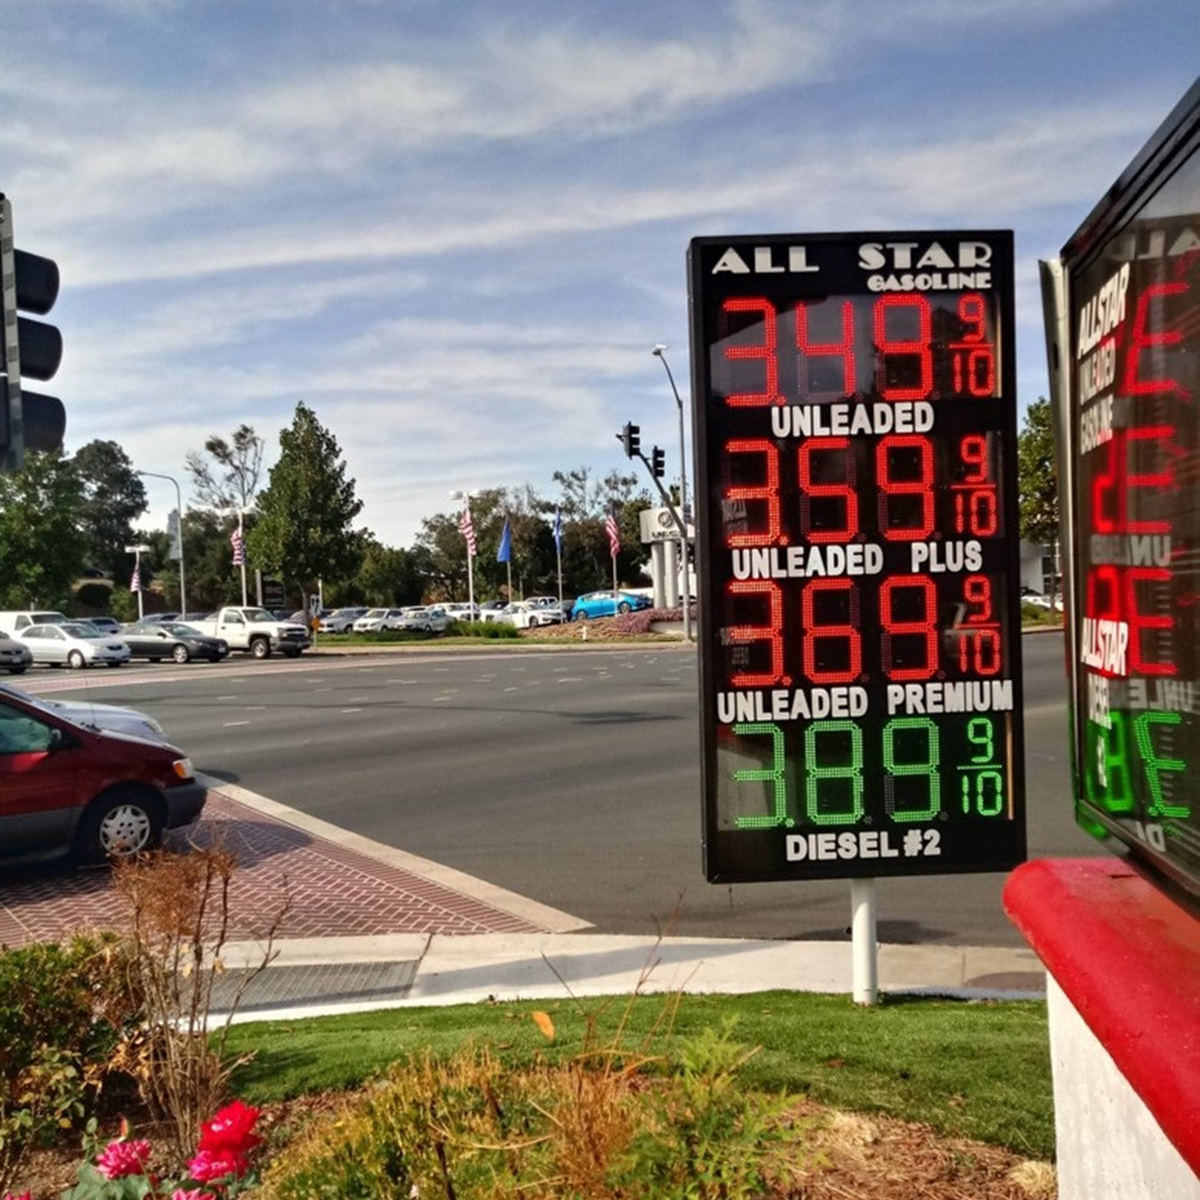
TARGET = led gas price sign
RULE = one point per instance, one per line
(1133, 389)
(856, 504)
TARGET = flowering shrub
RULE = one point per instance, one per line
(121, 1170)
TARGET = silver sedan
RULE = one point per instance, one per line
(73, 645)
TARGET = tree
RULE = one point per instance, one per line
(113, 498)
(41, 545)
(388, 576)
(303, 530)
(1037, 475)
(230, 481)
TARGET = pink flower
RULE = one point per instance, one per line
(216, 1164)
(231, 1129)
(121, 1158)
(190, 1194)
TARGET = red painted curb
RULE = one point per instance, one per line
(1128, 959)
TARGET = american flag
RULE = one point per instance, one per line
(135, 584)
(614, 534)
(468, 531)
(239, 547)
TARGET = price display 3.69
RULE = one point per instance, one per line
(855, 424)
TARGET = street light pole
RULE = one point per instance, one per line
(179, 510)
(660, 352)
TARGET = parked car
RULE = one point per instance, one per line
(15, 656)
(73, 646)
(526, 615)
(106, 625)
(91, 792)
(542, 601)
(254, 631)
(433, 619)
(166, 616)
(462, 612)
(14, 621)
(608, 604)
(157, 640)
(341, 620)
(371, 621)
(96, 716)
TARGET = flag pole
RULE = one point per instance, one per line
(470, 565)
(558, 553)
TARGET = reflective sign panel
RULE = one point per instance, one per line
(1134, 405)
(856, 508)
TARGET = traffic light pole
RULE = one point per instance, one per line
(12, 350)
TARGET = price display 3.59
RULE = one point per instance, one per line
(855, 425)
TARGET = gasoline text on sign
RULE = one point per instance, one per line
(860, 661)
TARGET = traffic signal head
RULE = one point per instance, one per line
(29, 282)
(658, 462)
(631, 439)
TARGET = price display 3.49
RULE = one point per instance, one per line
(855, 424)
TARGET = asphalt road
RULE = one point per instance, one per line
(570, 778)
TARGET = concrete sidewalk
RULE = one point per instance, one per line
(319, 976)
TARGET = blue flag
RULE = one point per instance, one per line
(504, 554)
(558, 529)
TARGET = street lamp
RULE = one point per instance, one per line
(465, 497)
(179, 510)
(660, 352)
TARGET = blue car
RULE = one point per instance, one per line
(607, 604)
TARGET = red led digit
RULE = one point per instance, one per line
(772, 632)
(1103, 482)
(977, 590)
(765, 351)
(1140, 340)
(817, 631)
(843, 349)
(890, 487)
(1137, 621)
(921, 348)
(842, 490)
(1158, 479)
(1107, 575)
(765, 493)
(971, 312)
(973, 451)
(925, 628)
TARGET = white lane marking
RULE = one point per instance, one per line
(256, 708)
(351, 710)
(560, 670)
(438, 698)
(231, 724)
(485, 678)
(358, 699)
(571, 679)
(227, 697)
(510, 689)
(442, 670)
(400, 681)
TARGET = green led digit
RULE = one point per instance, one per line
(1153, 764)
(773, 774)
(1106, 765)
(818, 772)
(927, 766)
(979, 733)
(989, 793)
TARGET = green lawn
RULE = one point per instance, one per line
(969, 1069)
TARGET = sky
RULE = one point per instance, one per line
(456, 230)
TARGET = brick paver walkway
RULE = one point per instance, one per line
(331, 891)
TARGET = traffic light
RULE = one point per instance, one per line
(658, 462)
(29, 282)
(631, 439)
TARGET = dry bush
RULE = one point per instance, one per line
(177, 924)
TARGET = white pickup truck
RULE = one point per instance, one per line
(254, 631)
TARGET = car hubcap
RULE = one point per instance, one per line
(125, 830)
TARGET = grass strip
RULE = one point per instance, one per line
(968, 1068)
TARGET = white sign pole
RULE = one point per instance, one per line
(863, 946)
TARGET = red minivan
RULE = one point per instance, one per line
(93, 793)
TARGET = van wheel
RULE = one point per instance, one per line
(260, 648)
(119, 824)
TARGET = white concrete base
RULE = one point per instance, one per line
(1108, 1142)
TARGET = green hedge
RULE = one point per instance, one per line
(484, 629)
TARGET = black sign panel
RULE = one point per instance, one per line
(1133, 380)
(273, 595)
(856, 504)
